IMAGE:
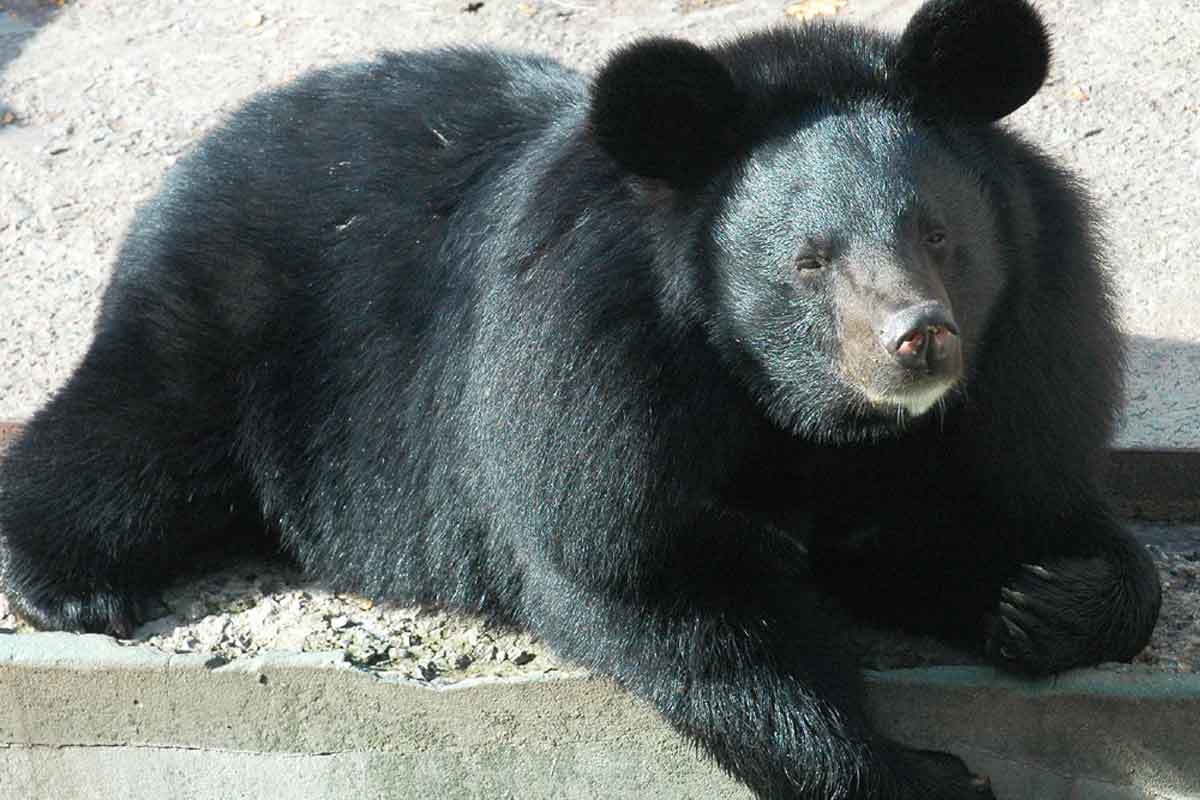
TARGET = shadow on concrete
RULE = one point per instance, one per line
(1154, 466)
(20, 21)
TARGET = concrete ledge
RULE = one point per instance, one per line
(1097, 734)
(85, 717)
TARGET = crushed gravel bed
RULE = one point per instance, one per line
(257, 606)
(1175, 646)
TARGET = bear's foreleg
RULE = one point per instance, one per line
(1092, 594)
(1037, 595)
(745, 665)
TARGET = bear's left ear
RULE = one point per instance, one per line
(666, 109)
(973, 60)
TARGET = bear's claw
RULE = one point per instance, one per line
(1077, 612)
(938, 775)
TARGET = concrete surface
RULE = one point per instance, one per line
(104, 96)
(87, 719)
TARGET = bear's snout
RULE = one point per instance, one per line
(923, 338)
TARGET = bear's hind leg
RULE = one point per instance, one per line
(106, 495)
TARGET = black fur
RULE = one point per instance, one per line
(458, 328)
(978, 61)
(666, 108)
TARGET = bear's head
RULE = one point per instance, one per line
(851, 253)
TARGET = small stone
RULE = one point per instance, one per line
(253, 19)
(365, 655)
(211, 631)
(807, 10)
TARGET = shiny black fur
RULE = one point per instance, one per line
(456, 328)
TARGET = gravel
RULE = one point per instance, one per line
(252, 607)
(1175, 646)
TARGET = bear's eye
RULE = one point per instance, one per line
(935, 238)
(805, 263)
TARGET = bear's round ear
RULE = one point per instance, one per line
(667, 109)
(975, 60)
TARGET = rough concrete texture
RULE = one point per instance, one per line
(310, 727)
(1094, 734)
(102, 97)
(89, 719)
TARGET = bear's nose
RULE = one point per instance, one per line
(922, 337)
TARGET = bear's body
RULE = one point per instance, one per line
(649, 370)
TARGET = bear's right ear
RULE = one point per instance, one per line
(666, 109)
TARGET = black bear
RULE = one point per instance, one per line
(653, 365)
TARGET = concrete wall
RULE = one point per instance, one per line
(84, 718)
